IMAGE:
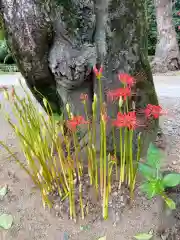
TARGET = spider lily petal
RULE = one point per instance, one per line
(117, 93)
(126, 79)
(153, 110)
(75, 121)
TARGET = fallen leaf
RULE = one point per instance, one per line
(102, 238)
(143, 236)
(84, 227)
(3, 192)
(6, 221)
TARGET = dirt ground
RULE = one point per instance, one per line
(33, 222)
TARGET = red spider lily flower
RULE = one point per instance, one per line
(75, 121)
(126, 79)
(153, 110)
(131, 122)
(126, 120)
(178, 13)
(117, 93)
(178, 27)
(83, 97)
(120, 121)
(97, 72)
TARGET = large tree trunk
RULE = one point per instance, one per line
(57, 51)
(167, 55)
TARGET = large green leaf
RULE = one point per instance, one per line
(147, 171)
(171, 180)
(152, 188)
(154, 156)
(147, 189)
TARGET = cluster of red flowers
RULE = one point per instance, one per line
(76, 121)
(153, 110)
(125, 92)
(126, 120)
(129, 119)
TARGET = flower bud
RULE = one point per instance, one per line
(120, 102)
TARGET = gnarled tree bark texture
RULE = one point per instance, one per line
(167, 55)
(56, 47)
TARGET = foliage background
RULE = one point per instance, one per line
(152, 30)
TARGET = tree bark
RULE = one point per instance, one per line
(57, 51)
(167, 55)
(29, 35)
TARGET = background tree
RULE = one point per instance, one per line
(167, 55)
(55, 48)
(152, 27)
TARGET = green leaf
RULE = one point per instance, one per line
(6, 221)
(171, 180)
(143, 236)
(152, 188)
(171, 204)
(147, 189)
(3, 192)
(147, 171)
(154, 156)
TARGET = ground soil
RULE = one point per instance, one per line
(33, 222)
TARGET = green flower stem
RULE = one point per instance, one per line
(131, 164)
(121, 152)
(137, 158)
(96, 169)
(81, 201)
(105, 196)
(94, 107)
(102, 136)
(70, 194)
(101, 159)
(122, 172)
(78, 162)
(115, 150)
(94, 117)
(90, 165)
